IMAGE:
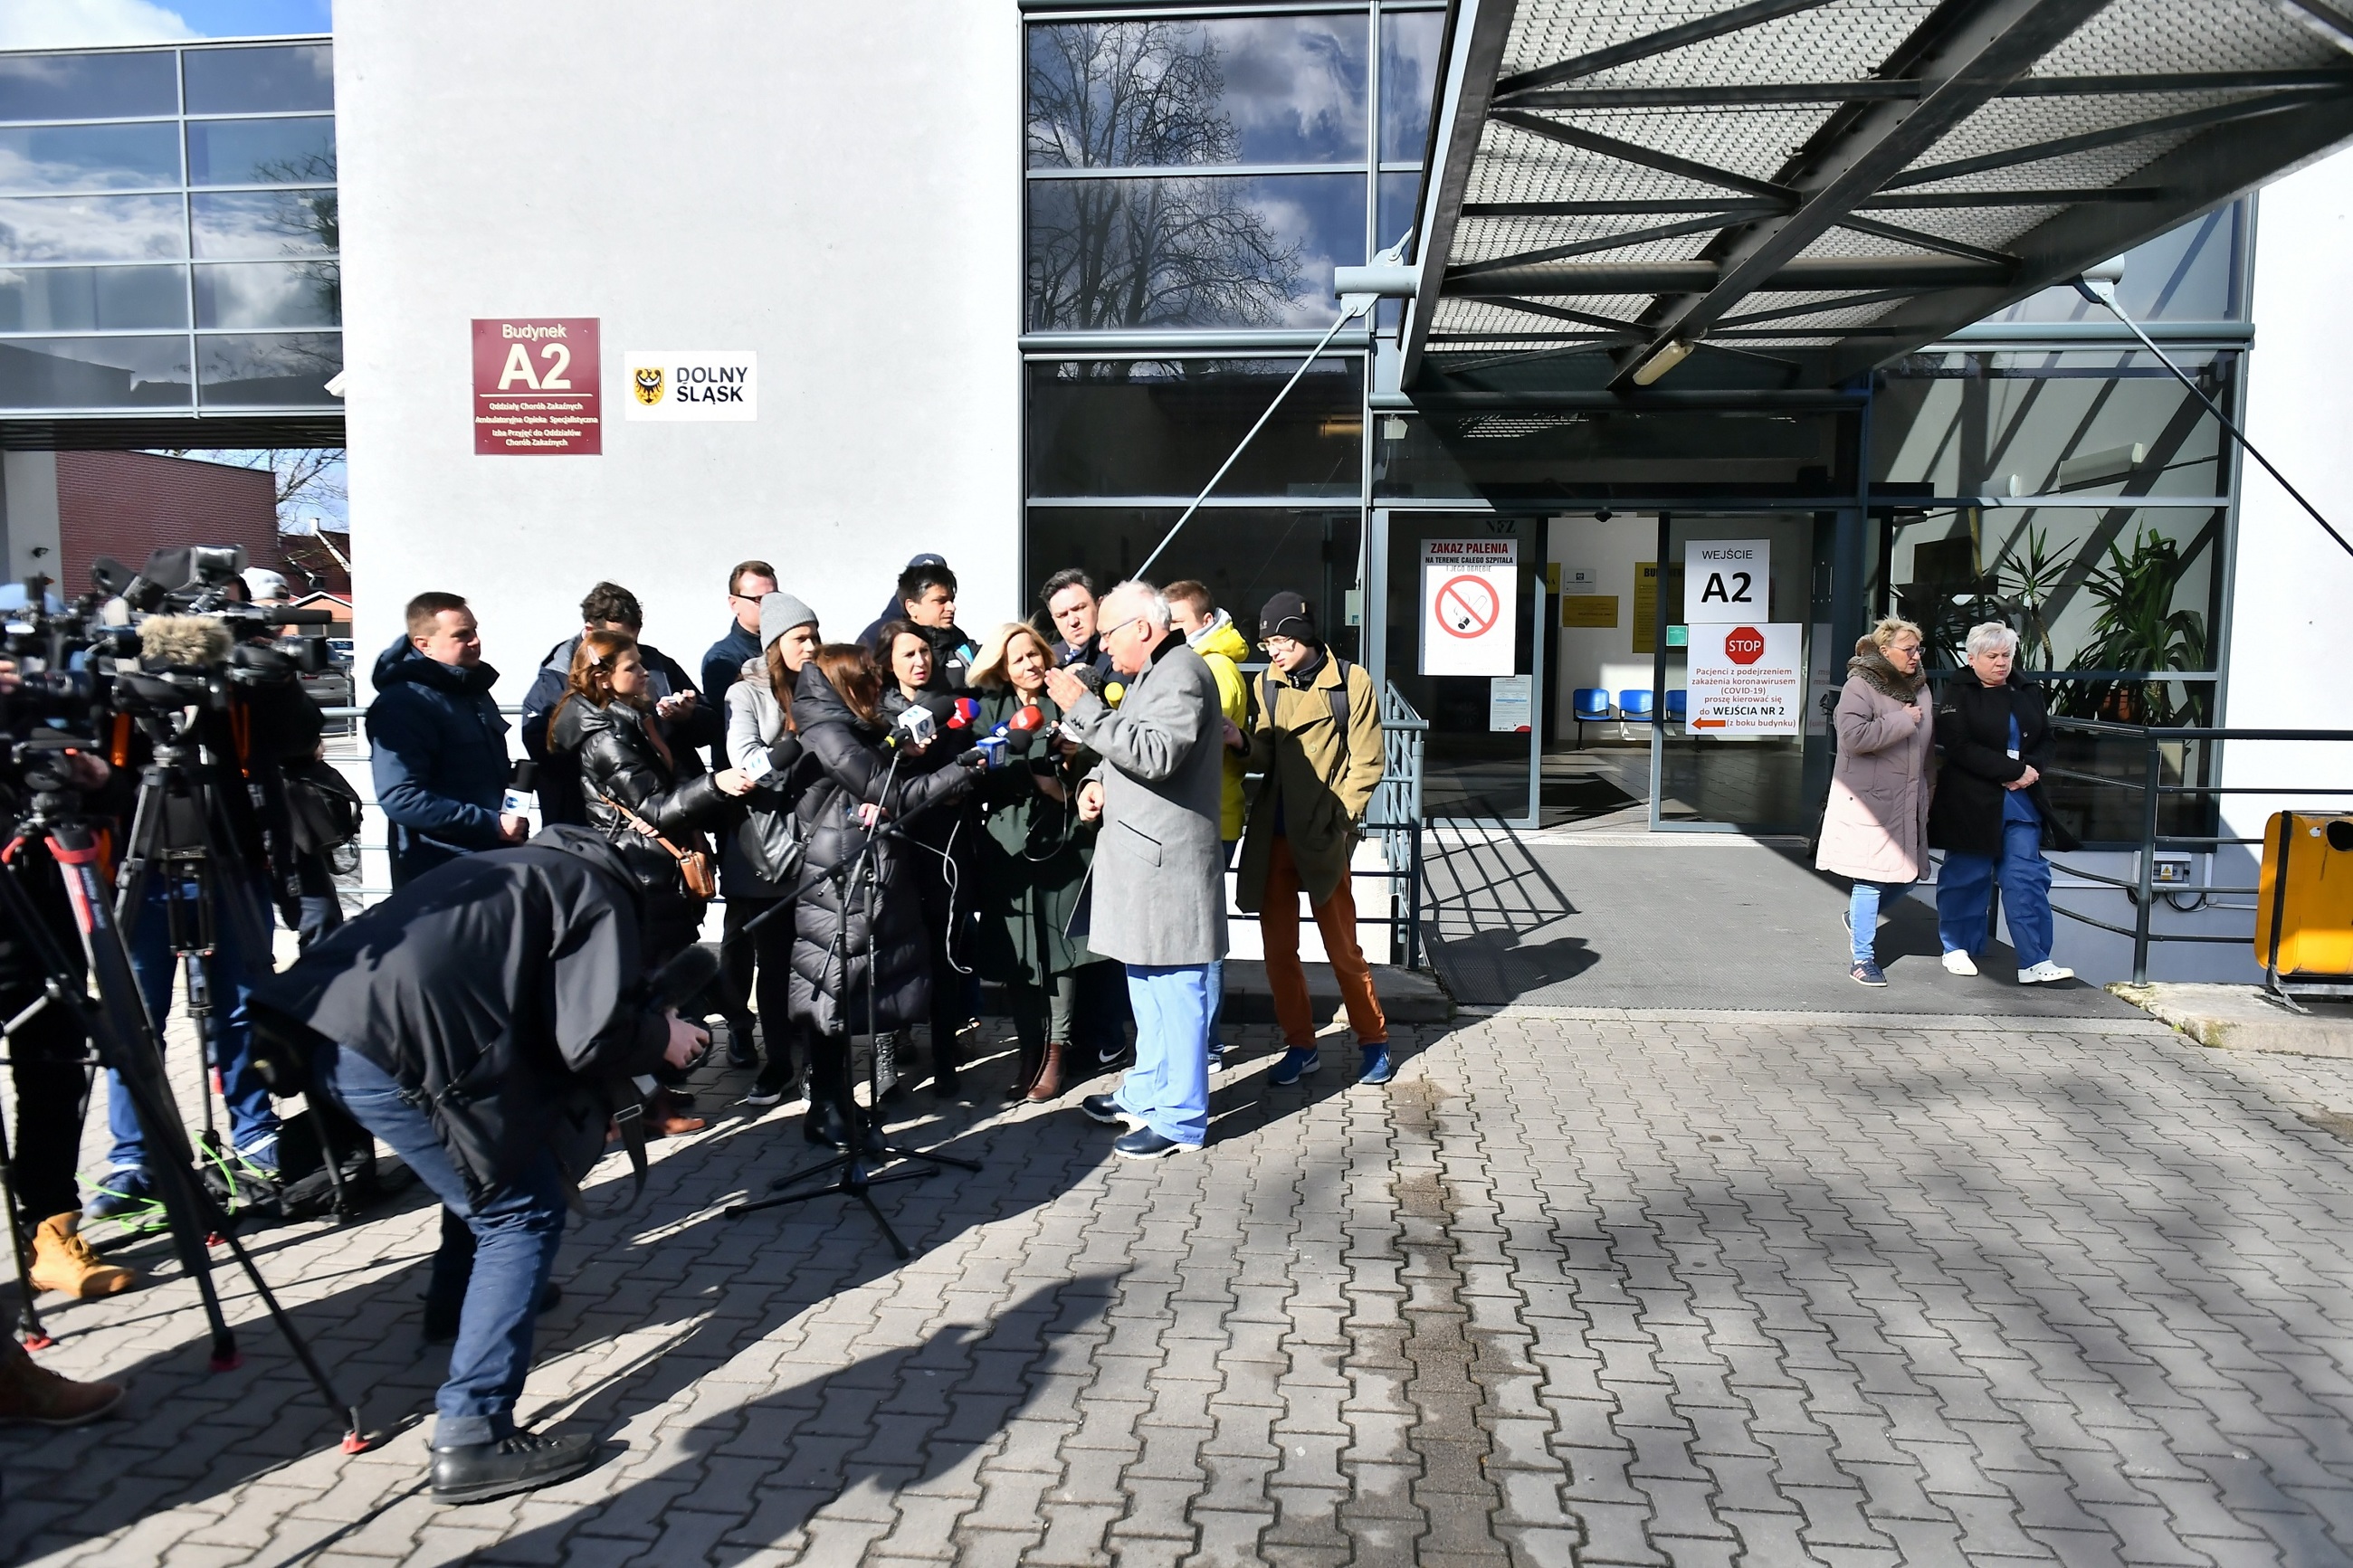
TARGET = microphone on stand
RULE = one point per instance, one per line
(916, 730)
(1014, 736)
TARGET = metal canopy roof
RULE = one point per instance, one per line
(1801, 189)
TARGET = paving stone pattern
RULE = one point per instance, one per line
(1614, 1291)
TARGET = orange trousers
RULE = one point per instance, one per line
(1335, 916)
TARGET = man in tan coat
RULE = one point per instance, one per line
(1317, 743)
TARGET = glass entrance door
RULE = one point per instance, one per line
(1464, 639)
(1741, 613)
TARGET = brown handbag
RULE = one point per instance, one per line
(694, 864)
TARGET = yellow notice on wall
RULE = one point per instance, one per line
(1646, 607)
(1598, 610)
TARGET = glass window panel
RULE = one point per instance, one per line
(1113, 427)
(1225, 250)
(261, 152)
(93, 228)
(264, 223)
(87, 87)
(269, 294)
(276, 370)
(1260, 89)
(1399, 195)
(1596, 456)
(277, 78)
(37, 158)
(1244, 555)
(93, 372)
(1409, 43)
(2187, 274)
(92, 299)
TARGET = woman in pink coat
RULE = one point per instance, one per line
(1875, 829)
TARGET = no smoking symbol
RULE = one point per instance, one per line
(1467, 606)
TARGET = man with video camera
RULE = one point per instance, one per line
(484, 1022)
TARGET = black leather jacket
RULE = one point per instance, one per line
(620, 766)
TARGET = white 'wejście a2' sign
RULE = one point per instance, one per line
(677, 384)
(1727, 580)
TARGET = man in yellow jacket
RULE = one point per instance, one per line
(1210, 632)
(1317, 743)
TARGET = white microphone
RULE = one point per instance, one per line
(915, 728)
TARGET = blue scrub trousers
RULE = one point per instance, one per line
(516, 1232)
(1168, 1086)
(251, 1122)
(1965, 893)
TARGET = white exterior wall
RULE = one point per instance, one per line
(836, 189)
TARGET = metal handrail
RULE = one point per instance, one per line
(2143, 887)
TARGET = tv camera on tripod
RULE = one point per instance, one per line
(168, 670)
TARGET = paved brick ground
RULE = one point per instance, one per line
(1605, 1290)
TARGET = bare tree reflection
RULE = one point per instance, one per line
(309, 217)
(1171, 251)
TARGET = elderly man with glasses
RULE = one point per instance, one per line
(1158, 895)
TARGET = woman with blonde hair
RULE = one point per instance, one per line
(1876, 828)
(1033, 858)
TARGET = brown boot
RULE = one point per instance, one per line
(1048, 1082)
(29, 1392)
(665, 1119)
(62, 1261)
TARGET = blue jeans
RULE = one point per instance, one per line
(1964, 892)
(516, 1231)
(1862, 908)
(1169, 1085)
(234, 975)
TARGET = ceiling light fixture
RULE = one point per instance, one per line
(1672, 352)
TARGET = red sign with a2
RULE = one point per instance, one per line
(536, 387)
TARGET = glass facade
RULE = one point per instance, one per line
(168, 230)
(1193, 181)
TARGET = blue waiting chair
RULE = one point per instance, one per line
(1634, 705)
(1678, 707)
(1591, 705)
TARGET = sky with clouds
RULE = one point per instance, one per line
(75, 24)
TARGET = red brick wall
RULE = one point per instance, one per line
(125, 504)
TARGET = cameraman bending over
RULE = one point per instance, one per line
(465, 1021)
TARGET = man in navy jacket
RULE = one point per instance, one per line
(440, 745)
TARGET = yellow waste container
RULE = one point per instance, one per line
(2304, 913)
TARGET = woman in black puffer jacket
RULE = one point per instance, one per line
(850, 977)
(628, 776)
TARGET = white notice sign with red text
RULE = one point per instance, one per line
(1468, 588)
(1747, 678)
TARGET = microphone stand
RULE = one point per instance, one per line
(863, 1146)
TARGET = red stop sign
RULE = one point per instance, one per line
(1744, 644)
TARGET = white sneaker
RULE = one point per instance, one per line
(2043, 973)
(1959, 962)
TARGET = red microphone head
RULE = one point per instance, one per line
(966, 711)
(1030, 717)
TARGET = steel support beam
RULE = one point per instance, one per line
(2106, 136)
(1769, 94)
(1986, 48)
(1736, 19)
(1475, 34)
(1911, 274)
(2195, 178)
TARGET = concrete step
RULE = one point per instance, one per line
(2246, 1018)
(1408, 996)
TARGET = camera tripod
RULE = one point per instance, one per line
(127, 1041)
(863, 1147)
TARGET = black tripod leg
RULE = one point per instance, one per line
(897, 1246)
(355, 1441)
(28, 1319)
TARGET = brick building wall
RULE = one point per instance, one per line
(125, 504)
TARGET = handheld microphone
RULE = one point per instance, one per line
(1012, 738)
(915, 728)
(1112, 692)
(965, 714)
(523, 789)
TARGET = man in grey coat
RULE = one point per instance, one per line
(1159, 900)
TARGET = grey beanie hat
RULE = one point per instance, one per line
(780, 613)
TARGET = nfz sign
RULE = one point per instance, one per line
(671, 384)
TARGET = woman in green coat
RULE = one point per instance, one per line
(1033, 855)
